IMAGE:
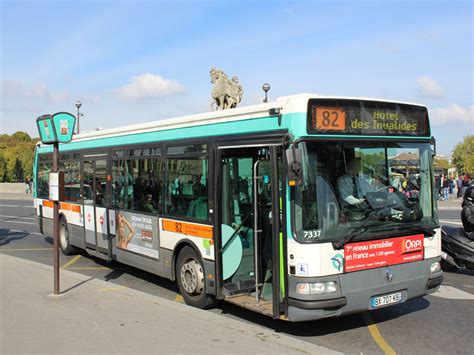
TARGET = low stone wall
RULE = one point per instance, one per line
(12, 187)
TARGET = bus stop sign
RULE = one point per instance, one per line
(57, 128)
(46, 129)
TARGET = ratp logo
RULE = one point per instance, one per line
(337, 262)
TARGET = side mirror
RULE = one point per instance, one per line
(294, 160)
(433, 144)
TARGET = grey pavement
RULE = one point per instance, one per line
(15, 196)
(453, 203)
(94, 316)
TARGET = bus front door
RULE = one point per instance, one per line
(249, 235)
(95, 208)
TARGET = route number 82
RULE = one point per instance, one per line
(330, 118)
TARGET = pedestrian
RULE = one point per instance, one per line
(451, 186)
(465, 184)
(445, 189)
(27, 184)
(459, 184)
(437, 186)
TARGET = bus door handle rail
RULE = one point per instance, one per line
(256, 230)
(234, 235)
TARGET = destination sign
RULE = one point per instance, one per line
(371, 118)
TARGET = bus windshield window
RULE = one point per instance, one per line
(372, 187)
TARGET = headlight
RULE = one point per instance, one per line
(316, 288)
(435, 267)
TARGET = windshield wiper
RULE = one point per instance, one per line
(416, 228)
(362, 229)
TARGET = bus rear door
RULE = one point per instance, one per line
(95, 188)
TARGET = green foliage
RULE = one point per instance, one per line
(5, 177)
(16, 151)
(442, 163)
(18, 172)
(463, 155)
(21, 136)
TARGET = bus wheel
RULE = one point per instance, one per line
(191, 281)
(64, 240)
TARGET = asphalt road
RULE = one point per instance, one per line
(439, 323)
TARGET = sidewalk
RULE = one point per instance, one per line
(94, 316)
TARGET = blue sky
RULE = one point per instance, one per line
(138, 61)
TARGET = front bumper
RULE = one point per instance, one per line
(356, 289)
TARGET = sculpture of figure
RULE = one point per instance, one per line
(225, 93)
(235, 93)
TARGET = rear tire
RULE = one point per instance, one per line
(191, 279)
(64, 239)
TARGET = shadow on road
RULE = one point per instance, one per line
(7, 236)
(460, 272)
(119, 269)
(77, 285)
(325, 326)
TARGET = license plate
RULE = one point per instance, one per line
(380, 301)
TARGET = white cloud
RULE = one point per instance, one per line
(15, 90)
(429, 88)
(452, 114)
(148, 85)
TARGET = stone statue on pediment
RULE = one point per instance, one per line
(226, 93)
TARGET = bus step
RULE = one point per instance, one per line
(239, 286)
(98, 254)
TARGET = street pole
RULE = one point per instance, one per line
(55, 169)
(55, 129)
(265, 87)
(78, 105)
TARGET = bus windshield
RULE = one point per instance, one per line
(370, 188)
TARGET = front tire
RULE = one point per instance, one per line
(64, 239)
(191, 279)
(445, 266)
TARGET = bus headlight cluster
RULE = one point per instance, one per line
(316, 288)
(435, 266)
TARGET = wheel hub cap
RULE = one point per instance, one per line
(192, 277)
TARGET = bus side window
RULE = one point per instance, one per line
(186, 187)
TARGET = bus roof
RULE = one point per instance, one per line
(286, 105)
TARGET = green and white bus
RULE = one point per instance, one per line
(250, 205)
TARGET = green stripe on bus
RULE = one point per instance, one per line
(282, 268)
(253, 125)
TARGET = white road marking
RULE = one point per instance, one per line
(15, 222)
(17, 206)
(452, 293)
(16, 217)
(450, 222)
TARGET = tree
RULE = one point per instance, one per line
(18, 172)
(5, 171)
(463, 156)
(17, 146)
(442, 163)
(21, 136)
